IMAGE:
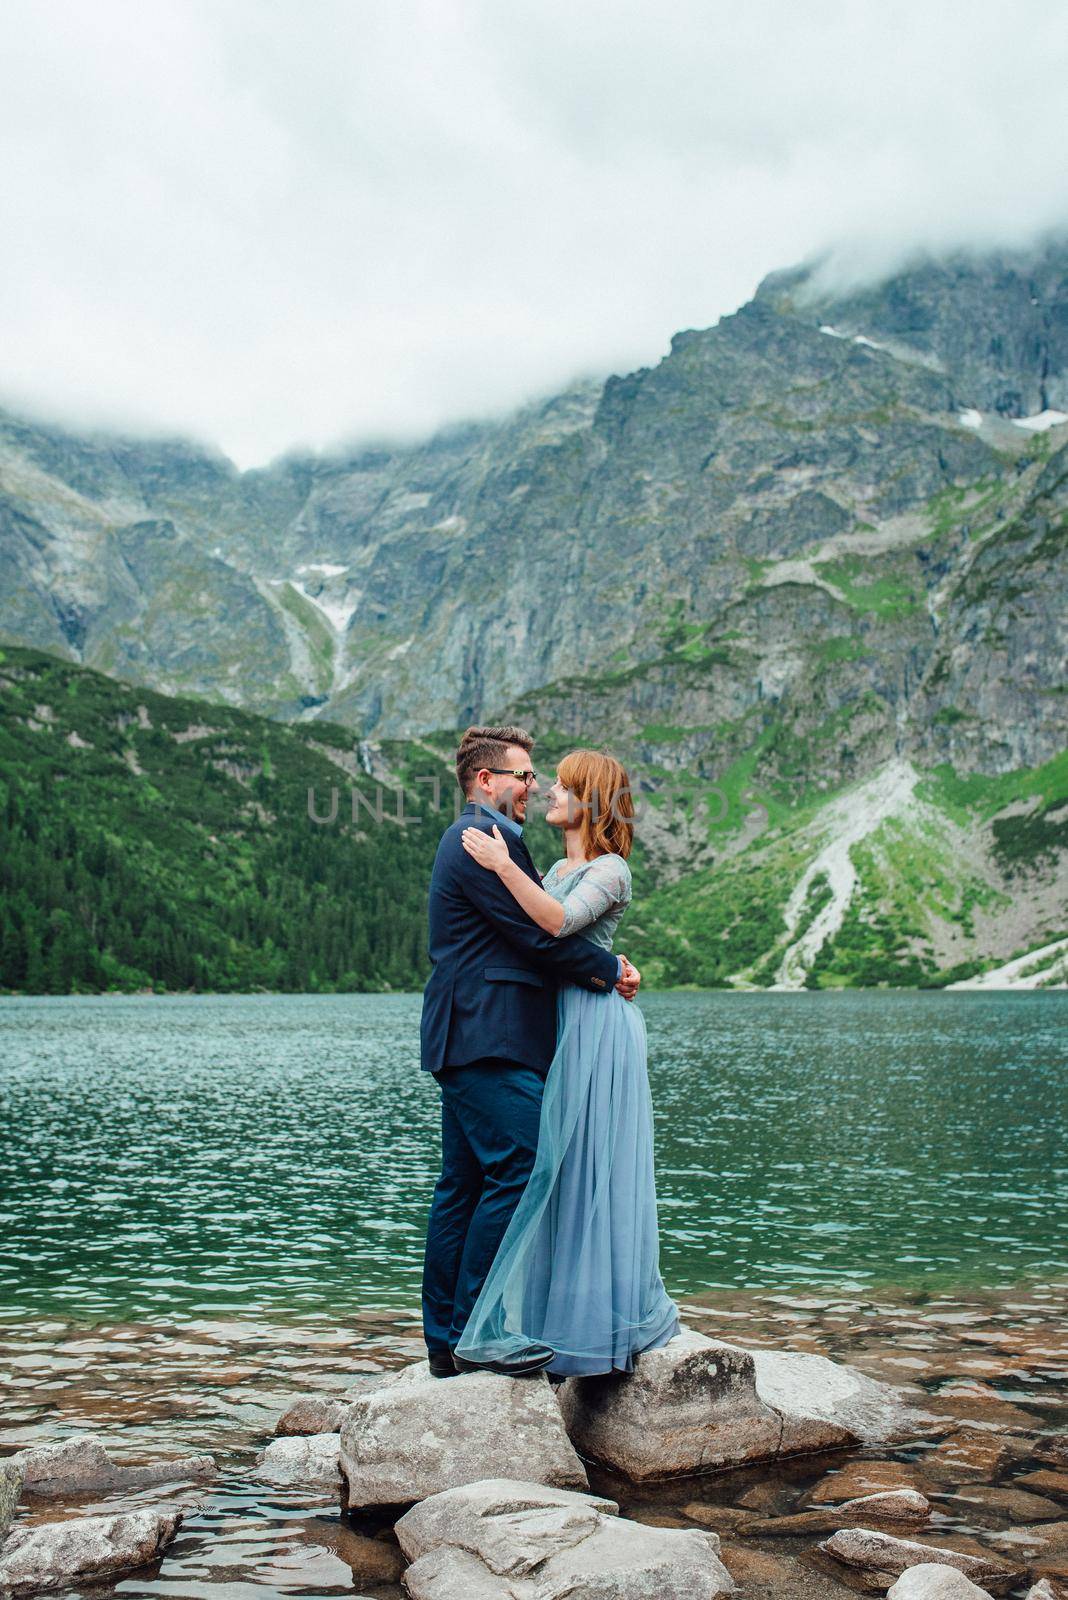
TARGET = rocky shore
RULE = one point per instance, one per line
(680, 1480)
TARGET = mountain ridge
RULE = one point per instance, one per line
(356, 587)
(816, 544)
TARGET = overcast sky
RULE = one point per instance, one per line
(270, 224)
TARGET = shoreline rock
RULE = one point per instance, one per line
(699, 1405)
(317, 1413)
(84, 1464)
(687, 1408)
(57, 1555)
(507, 1540)
(418, 1436)
(932, 1581)
(11, 1475)
(309, 1460)
(312, 1414)
(882, 1555)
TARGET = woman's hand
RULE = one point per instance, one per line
(490, 853)
(631, 978)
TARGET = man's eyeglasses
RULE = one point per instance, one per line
(526, 775)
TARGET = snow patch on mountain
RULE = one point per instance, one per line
(1042, 421)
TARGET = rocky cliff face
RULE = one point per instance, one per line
(828, 530)
(996, 326)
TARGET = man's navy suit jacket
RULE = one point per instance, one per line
(492, 988)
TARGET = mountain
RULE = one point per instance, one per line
(810, 467)
(806, 575)
(154, 842)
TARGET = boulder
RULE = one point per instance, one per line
(689, 1407)
(701, 1405)
(305, 1461)
(872, 1552)
(312, 1414)
(418, 1436)
(82, 1550)
(824, 1404)
(502, 1540)
(931, 1581)
(10, 1489)
(84, 1464)
(317, 1413)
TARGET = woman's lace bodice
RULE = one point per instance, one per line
(594, 896)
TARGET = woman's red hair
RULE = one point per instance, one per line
(600, 782)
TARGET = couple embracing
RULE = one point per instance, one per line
(542, 1249)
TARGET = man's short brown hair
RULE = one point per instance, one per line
(486, 747)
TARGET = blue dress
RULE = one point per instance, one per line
(578, 1267)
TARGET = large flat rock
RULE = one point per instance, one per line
(418, 1436)
(824, 1404)
(506, 1540)
(702, 1405)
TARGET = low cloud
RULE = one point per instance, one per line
(268, 225)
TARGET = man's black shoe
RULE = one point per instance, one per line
(441, 1364)
(522, 1365)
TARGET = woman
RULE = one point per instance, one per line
(578, 1268)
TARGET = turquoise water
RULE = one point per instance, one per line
(274, 1155)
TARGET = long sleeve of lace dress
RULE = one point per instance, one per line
(604, 884)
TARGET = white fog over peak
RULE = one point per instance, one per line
(271, 227)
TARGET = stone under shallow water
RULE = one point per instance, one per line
(84, 1464)
(894, 1506)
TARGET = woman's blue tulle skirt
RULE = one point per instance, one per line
(578, 1268)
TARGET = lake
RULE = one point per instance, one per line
(275, 1154)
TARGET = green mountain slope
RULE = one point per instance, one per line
(149, 841)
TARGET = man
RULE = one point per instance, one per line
(488, 1034)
